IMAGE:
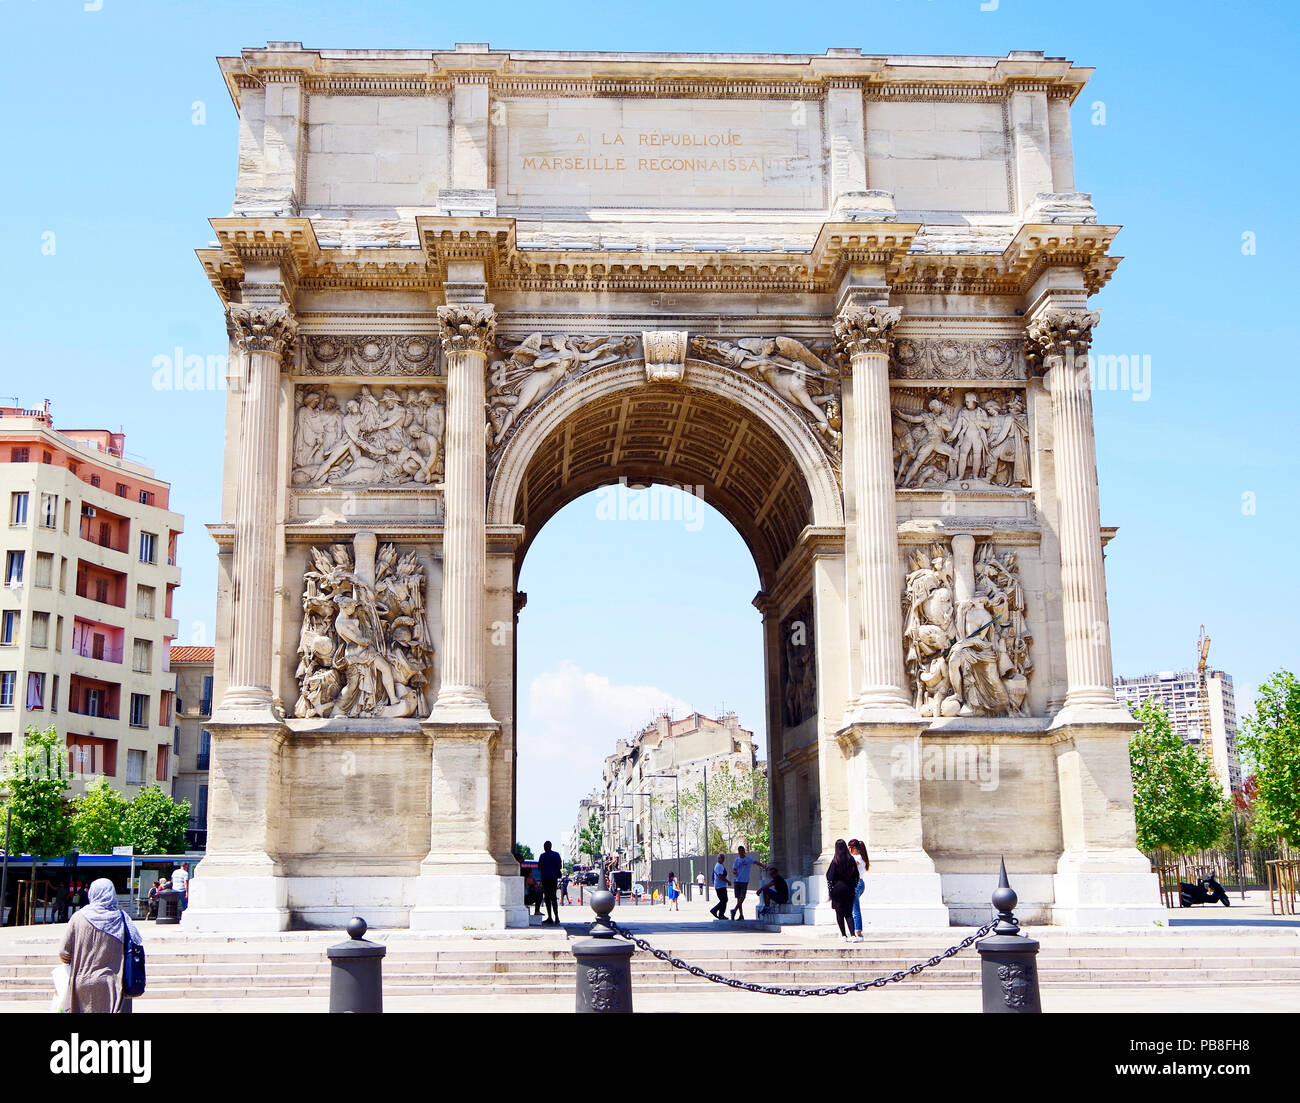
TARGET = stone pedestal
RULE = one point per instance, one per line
(1102, 879)
(461, 883)
(238, 886)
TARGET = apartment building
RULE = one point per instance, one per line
(1179, 693)
(86, 626)
(193, 745)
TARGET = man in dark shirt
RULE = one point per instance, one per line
(775, 891)
(548, 869)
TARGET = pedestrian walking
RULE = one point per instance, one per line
(858, 849)
(564, 890)
(740, 870)
(704, 889)
(61, 897)
(93, 949)
(719, 910)
(548, 869)
(674, 893)
(841, 877)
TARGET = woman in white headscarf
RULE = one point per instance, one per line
(93, 951)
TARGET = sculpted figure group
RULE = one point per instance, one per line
(967, 656)
(381, 440)
(364, 649)
(984, 440)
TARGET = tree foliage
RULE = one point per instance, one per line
(155, 824)
(523, 852)
(36, 776)
(1272, 743)
(99, 818)
(1177, 803)
(737, 811)
(591, 839)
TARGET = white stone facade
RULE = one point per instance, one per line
(730, 271)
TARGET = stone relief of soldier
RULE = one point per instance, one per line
(389, 439)
(790, 368)
(966, 656)
(364, 649)
(536, 366)
(937, 442)
(800, 688)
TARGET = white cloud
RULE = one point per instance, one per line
(570, 723)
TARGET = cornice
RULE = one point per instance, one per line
(306, 265)
(637, 75)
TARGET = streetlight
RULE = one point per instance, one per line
(651, 833)
(677, 811)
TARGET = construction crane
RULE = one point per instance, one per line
(1203, 695)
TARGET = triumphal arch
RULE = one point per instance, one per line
(845, 294)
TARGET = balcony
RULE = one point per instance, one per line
(108, 653)
(205, 706)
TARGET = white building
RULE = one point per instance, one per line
(86, 620)
(1179, 693)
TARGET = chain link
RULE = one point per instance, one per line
(777, 990)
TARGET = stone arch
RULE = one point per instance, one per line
(743, 432)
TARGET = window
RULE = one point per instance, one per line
(148, 547)
(105, 534)
(94, 480)
(67, 512)
(165, 708)
(18, 507)
(142, 657)
(121, 490)
(203, 806)
(6, 741)
(8, 626)
(40, 629)
(7, 680)
(35, 690)
(14, 568)
(139, 710)
(176, 740)
(49, 511)
(44, 570)
(58, 634)
(205, 749)
(101, 590)
(146, 497)
(47, 457)
(54, 694)
(94, 699)
(18, 455)
(205, 705)
(63, 574)
(135, 767)
(162, 772)
(144, 598)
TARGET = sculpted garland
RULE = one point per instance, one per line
(364, 649)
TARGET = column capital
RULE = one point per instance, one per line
(257, 327)
(1058, 333)
(467, 327)
(860, 329)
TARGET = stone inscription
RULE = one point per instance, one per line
(689, 153)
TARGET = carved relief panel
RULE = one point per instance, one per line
(960, 437)
(966, 637)
(798, 666)
(367, 436)
(364, 649)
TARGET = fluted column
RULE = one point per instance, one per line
(265, 332)
(466, 330)
(1057, 341)
(863, 336)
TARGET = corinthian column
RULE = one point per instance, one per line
(1058, 340)
(466, 330)
(266, 334)
(863, 336)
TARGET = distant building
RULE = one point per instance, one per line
(1179, 693)
(589, 806)
(193, 667)
(86, 623)
(639, 825)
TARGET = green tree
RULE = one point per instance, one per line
(1272, 743)
(155, 824)
(1176, 801)
(591, 840)
(523, 852)
(737, 811)
(99, 818)
(36, 777)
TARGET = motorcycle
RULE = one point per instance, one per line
(1206, 891)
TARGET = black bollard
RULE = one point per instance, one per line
(604, 964)
(1008, 960)
(356, 973)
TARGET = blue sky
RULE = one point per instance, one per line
(1198, 147)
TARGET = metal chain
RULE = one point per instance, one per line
(777, 990)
